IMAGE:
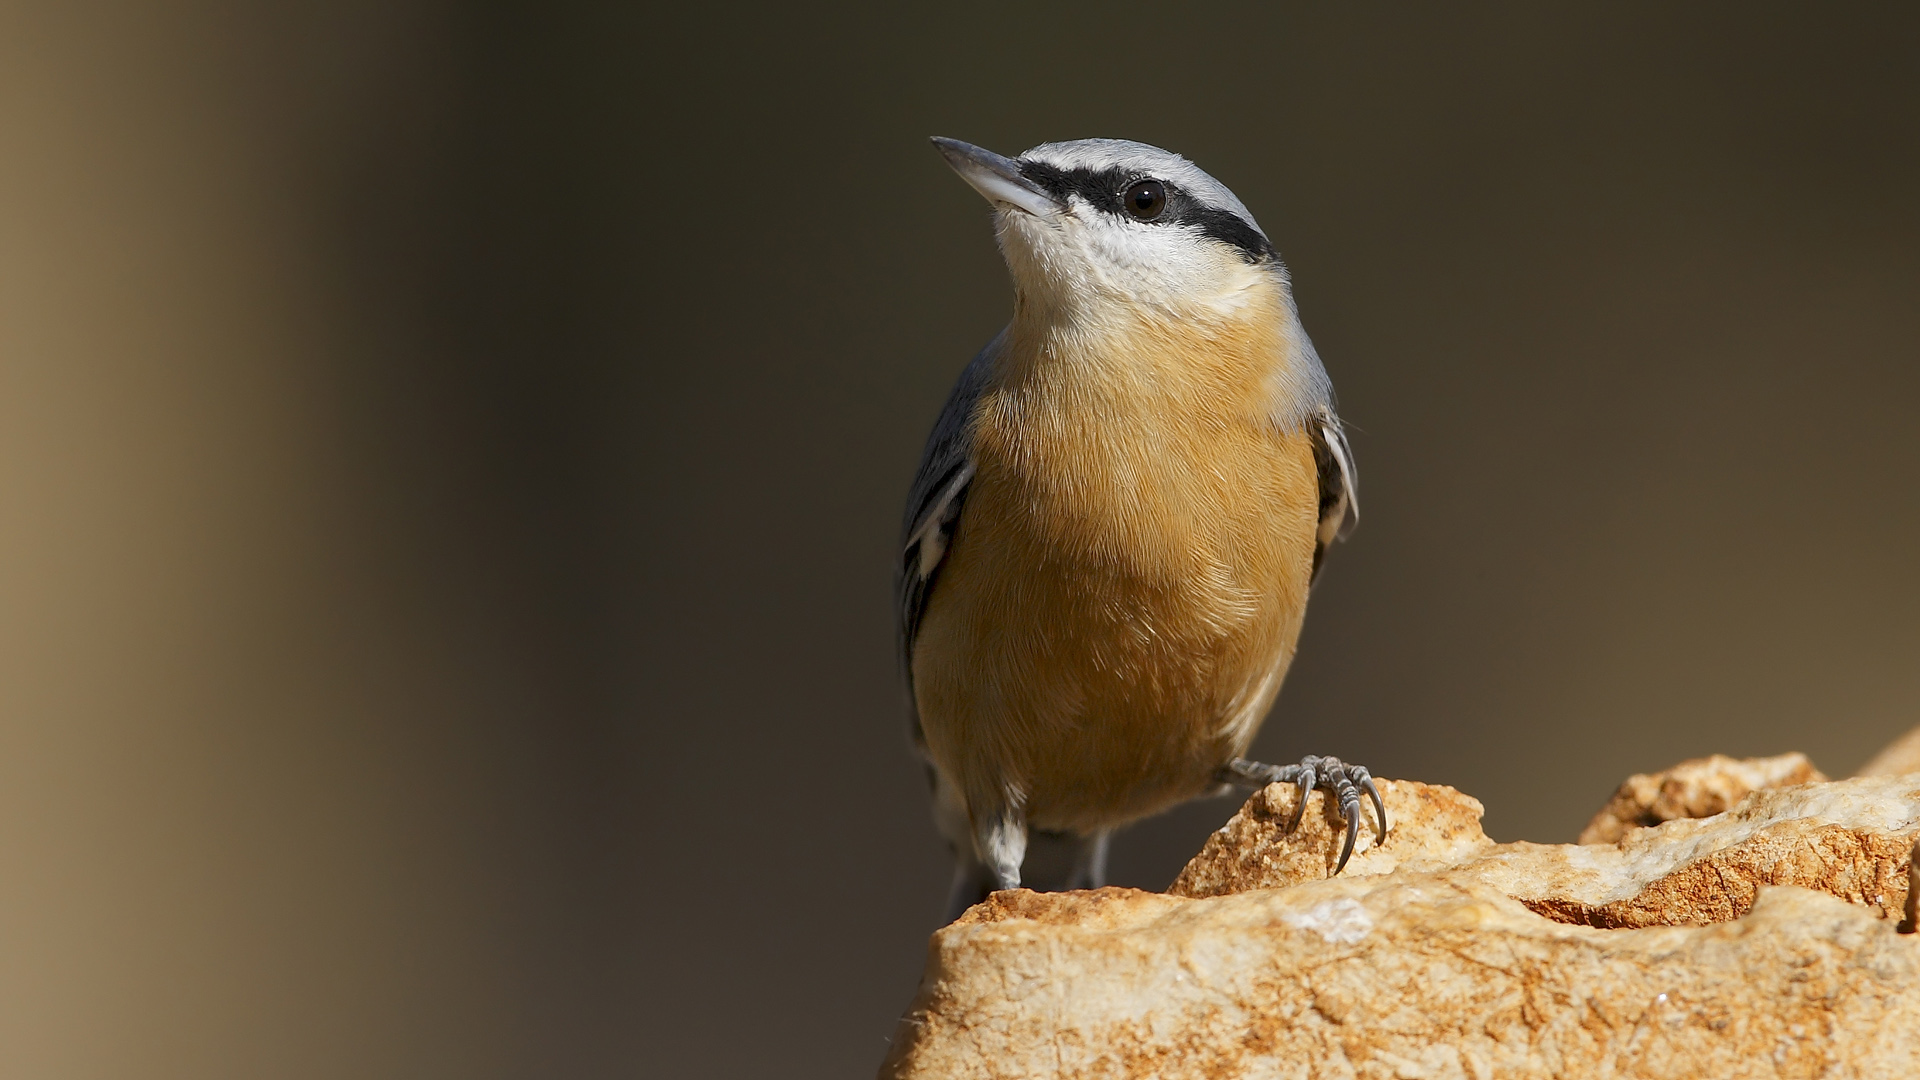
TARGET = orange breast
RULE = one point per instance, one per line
(1128, 579)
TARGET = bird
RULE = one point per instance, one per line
(1110, 539)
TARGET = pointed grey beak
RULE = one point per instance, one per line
(997, 178)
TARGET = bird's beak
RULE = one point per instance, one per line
(997, 178)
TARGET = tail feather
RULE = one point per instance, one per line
(1054, 862)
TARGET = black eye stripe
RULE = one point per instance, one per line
(1105, 190)
(1100, 188)
(1226, 227)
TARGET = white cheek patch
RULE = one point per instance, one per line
(1162, 265)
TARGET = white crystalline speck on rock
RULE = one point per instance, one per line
(1341, 921)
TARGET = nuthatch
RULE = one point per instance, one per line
(1118, 515)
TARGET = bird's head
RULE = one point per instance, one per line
(1098, 226)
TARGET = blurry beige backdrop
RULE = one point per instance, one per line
(450, 460)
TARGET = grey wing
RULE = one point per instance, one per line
(934, 501)
(1339, 482)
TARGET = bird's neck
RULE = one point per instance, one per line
(1241, 356)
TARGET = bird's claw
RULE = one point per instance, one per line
(1343, 781)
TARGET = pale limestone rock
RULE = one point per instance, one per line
(1693, 789)
(1429, 956)
(1433, 826)
(1850, 839)
(1405, 975)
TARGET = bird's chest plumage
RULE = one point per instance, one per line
(1133, 562)
(1189, 522)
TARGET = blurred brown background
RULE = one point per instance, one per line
(450, 460)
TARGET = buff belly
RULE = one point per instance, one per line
(1114, 618)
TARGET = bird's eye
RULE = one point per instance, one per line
(1146, 199)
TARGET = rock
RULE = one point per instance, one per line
(1901, 756)
(1404, 975)
(1693, 789)
(1849, 839)
(1755, 942)
(1433, 827)
(1912, 921)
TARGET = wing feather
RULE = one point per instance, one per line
(1339, 482)
(935, 500)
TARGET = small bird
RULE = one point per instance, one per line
(1117, 518)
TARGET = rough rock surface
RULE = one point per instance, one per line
(1693, 789)
(1912, 921)
(1850, 839)
(1757, 942)
(1432, 827)
(1405, 975)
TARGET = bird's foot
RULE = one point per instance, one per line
(1344, 781)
